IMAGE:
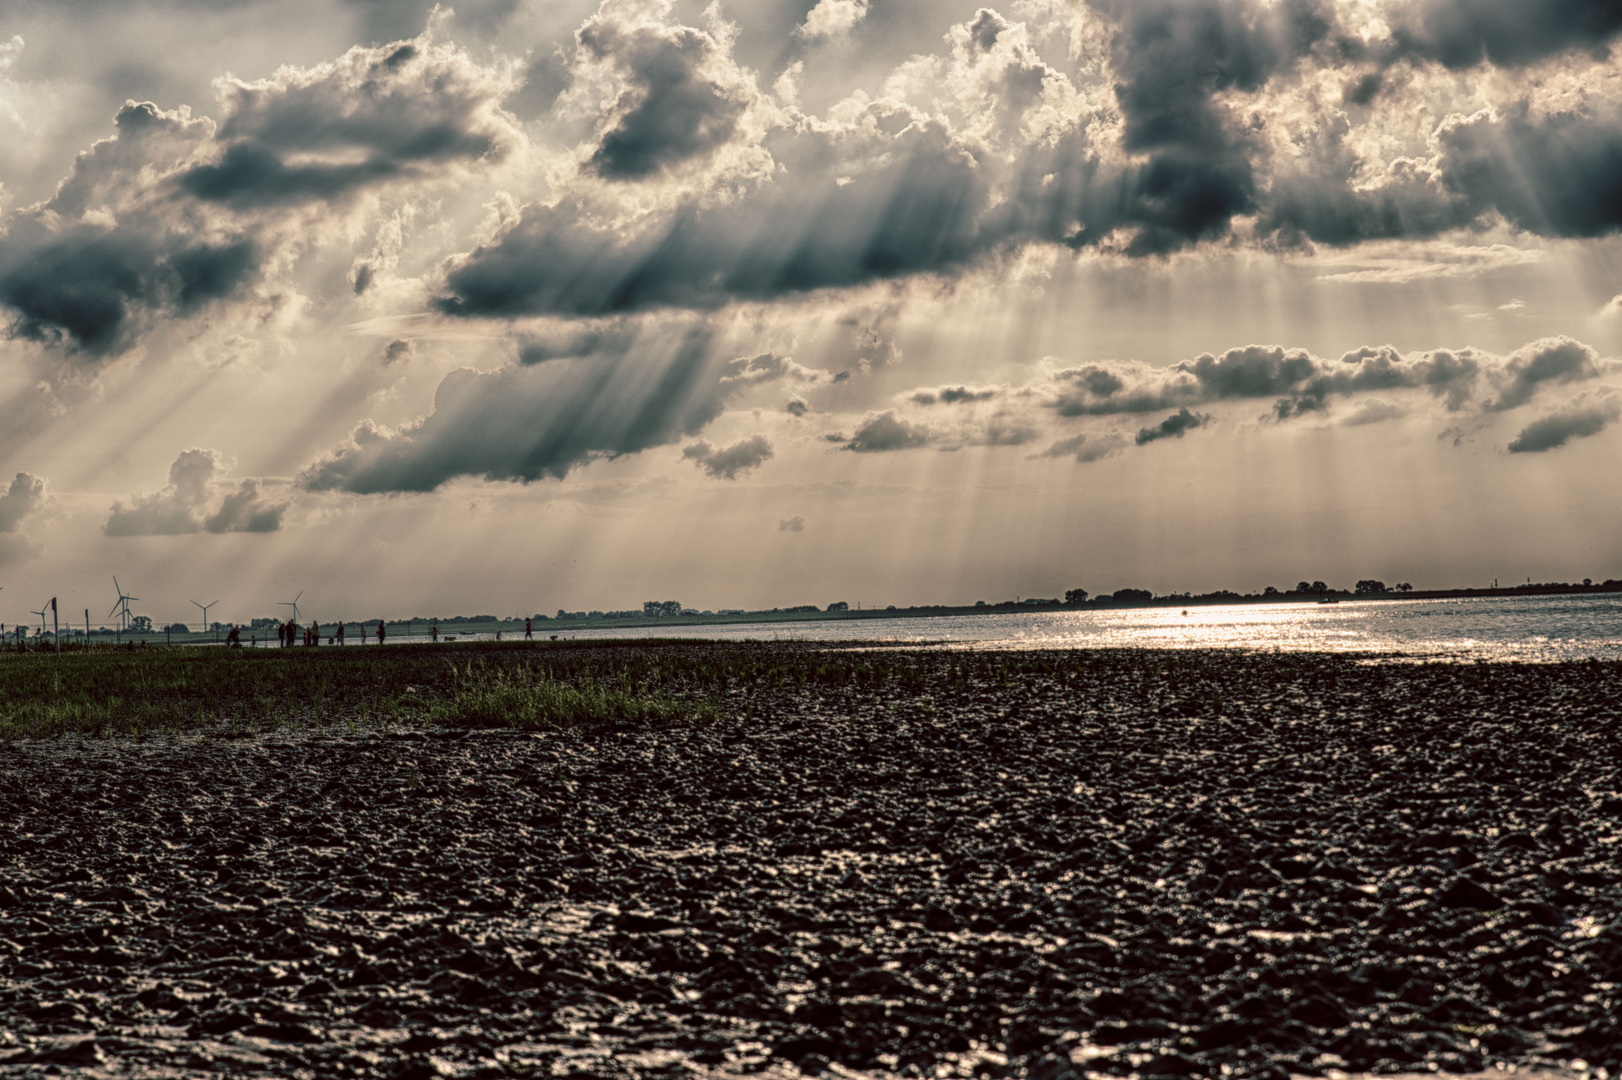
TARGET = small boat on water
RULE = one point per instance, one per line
(1330, 600)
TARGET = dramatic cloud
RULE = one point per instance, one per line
(1552, 361)
(533, 421)
(378, 114)
(1173, 427)
(681, 98)
(24, 495)
(196, 501)
(1303, 384)
(1557, 429)
(174, 212)
(991, 149)
(1507, 33)
(887, 431)
(727, 462)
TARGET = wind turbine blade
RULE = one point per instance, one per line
(115, 607)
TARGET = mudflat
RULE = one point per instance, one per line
(911, 862)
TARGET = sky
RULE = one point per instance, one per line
(535, 304)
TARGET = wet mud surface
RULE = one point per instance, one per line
(1040, 865)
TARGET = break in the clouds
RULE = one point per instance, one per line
(196, 500)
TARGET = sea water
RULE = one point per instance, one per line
(1536, 628)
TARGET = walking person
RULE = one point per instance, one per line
(380, 631)
(340, 633)
(529, 629)
(433, 630)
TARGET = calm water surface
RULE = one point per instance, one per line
(1518, 628)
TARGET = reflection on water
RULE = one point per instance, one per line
(1518, 628)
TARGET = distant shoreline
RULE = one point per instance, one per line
(544, 628)
(1104, 603)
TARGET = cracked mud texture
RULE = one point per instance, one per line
(970, 864)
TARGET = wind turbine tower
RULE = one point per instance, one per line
(122, 608)
(205, 608)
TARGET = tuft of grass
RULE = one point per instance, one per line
(528, 698)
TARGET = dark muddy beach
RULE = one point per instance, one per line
(1127, 863)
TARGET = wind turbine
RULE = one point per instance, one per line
(41, 613)
(293, 603)
(205, 608)
(122, 608)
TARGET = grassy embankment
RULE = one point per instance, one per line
(578, 684)
(148, 691)
(586, 684)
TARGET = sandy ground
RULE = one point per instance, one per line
(1127, 864)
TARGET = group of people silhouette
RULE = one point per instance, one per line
(290, 631)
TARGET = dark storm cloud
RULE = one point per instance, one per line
(86, 286)
(1173, 427)
(1557, 429)
(193, 502)
(1553, 361)
(913, 214)
(401, 111)
(728, 461)
(1172, 57)
(1557, 175)
(529, 422)
(884, 431)
(896, 193)
(1506, 33)
(130, 236)
(674, 106)
(24, 495)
